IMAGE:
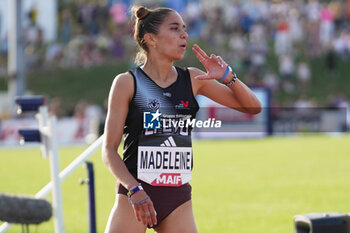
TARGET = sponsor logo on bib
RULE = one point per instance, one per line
(168, 179)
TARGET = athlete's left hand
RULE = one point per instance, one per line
(143, 208)
(214, 65)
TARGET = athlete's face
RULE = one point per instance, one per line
(170, 42)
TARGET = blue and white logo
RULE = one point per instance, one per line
(151, 120)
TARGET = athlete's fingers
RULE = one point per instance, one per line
(143, 217)
(202, 56)
(219, 60)
(137, 212)
(222, 60)
(153, 215)
(200, 51)
(145, 214)
(149, 217)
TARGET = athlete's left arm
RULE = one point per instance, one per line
(237, 96)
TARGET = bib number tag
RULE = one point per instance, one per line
(164, 166)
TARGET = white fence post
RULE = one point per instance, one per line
(47, 127)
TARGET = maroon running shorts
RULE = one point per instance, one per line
(165, 199)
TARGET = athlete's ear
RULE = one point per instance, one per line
(150, 39)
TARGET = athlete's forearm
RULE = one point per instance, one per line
(116, 166)
(246, 97)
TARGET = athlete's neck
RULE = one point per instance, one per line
(162, 72)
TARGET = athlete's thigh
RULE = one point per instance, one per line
(122, 218)
(180, 220)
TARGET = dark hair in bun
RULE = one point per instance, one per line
(142, 13)
(147, 21)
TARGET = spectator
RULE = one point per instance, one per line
(66, 28)
(303, 75)
(326, 26)
(55, 108)
(271, 81)
(282, 37)
(79, 115)
(286, 66)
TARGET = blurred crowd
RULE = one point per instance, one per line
(90, 32)
(246, 33)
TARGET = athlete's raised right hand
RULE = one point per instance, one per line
(143, 208)
(214, 65)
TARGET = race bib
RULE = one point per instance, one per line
(165, 165)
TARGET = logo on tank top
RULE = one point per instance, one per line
(167, 94)
(153, 104)
(184, 104)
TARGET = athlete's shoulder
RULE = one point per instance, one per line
(123, 80)
(123, 84)
(123, 77)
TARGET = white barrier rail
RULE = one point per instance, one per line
(63, 174)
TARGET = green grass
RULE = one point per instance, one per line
(73, 85)
(243, 186)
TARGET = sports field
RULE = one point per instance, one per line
(242, 186)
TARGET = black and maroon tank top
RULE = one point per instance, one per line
(157, 136)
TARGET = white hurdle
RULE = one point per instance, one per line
(63, 174)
